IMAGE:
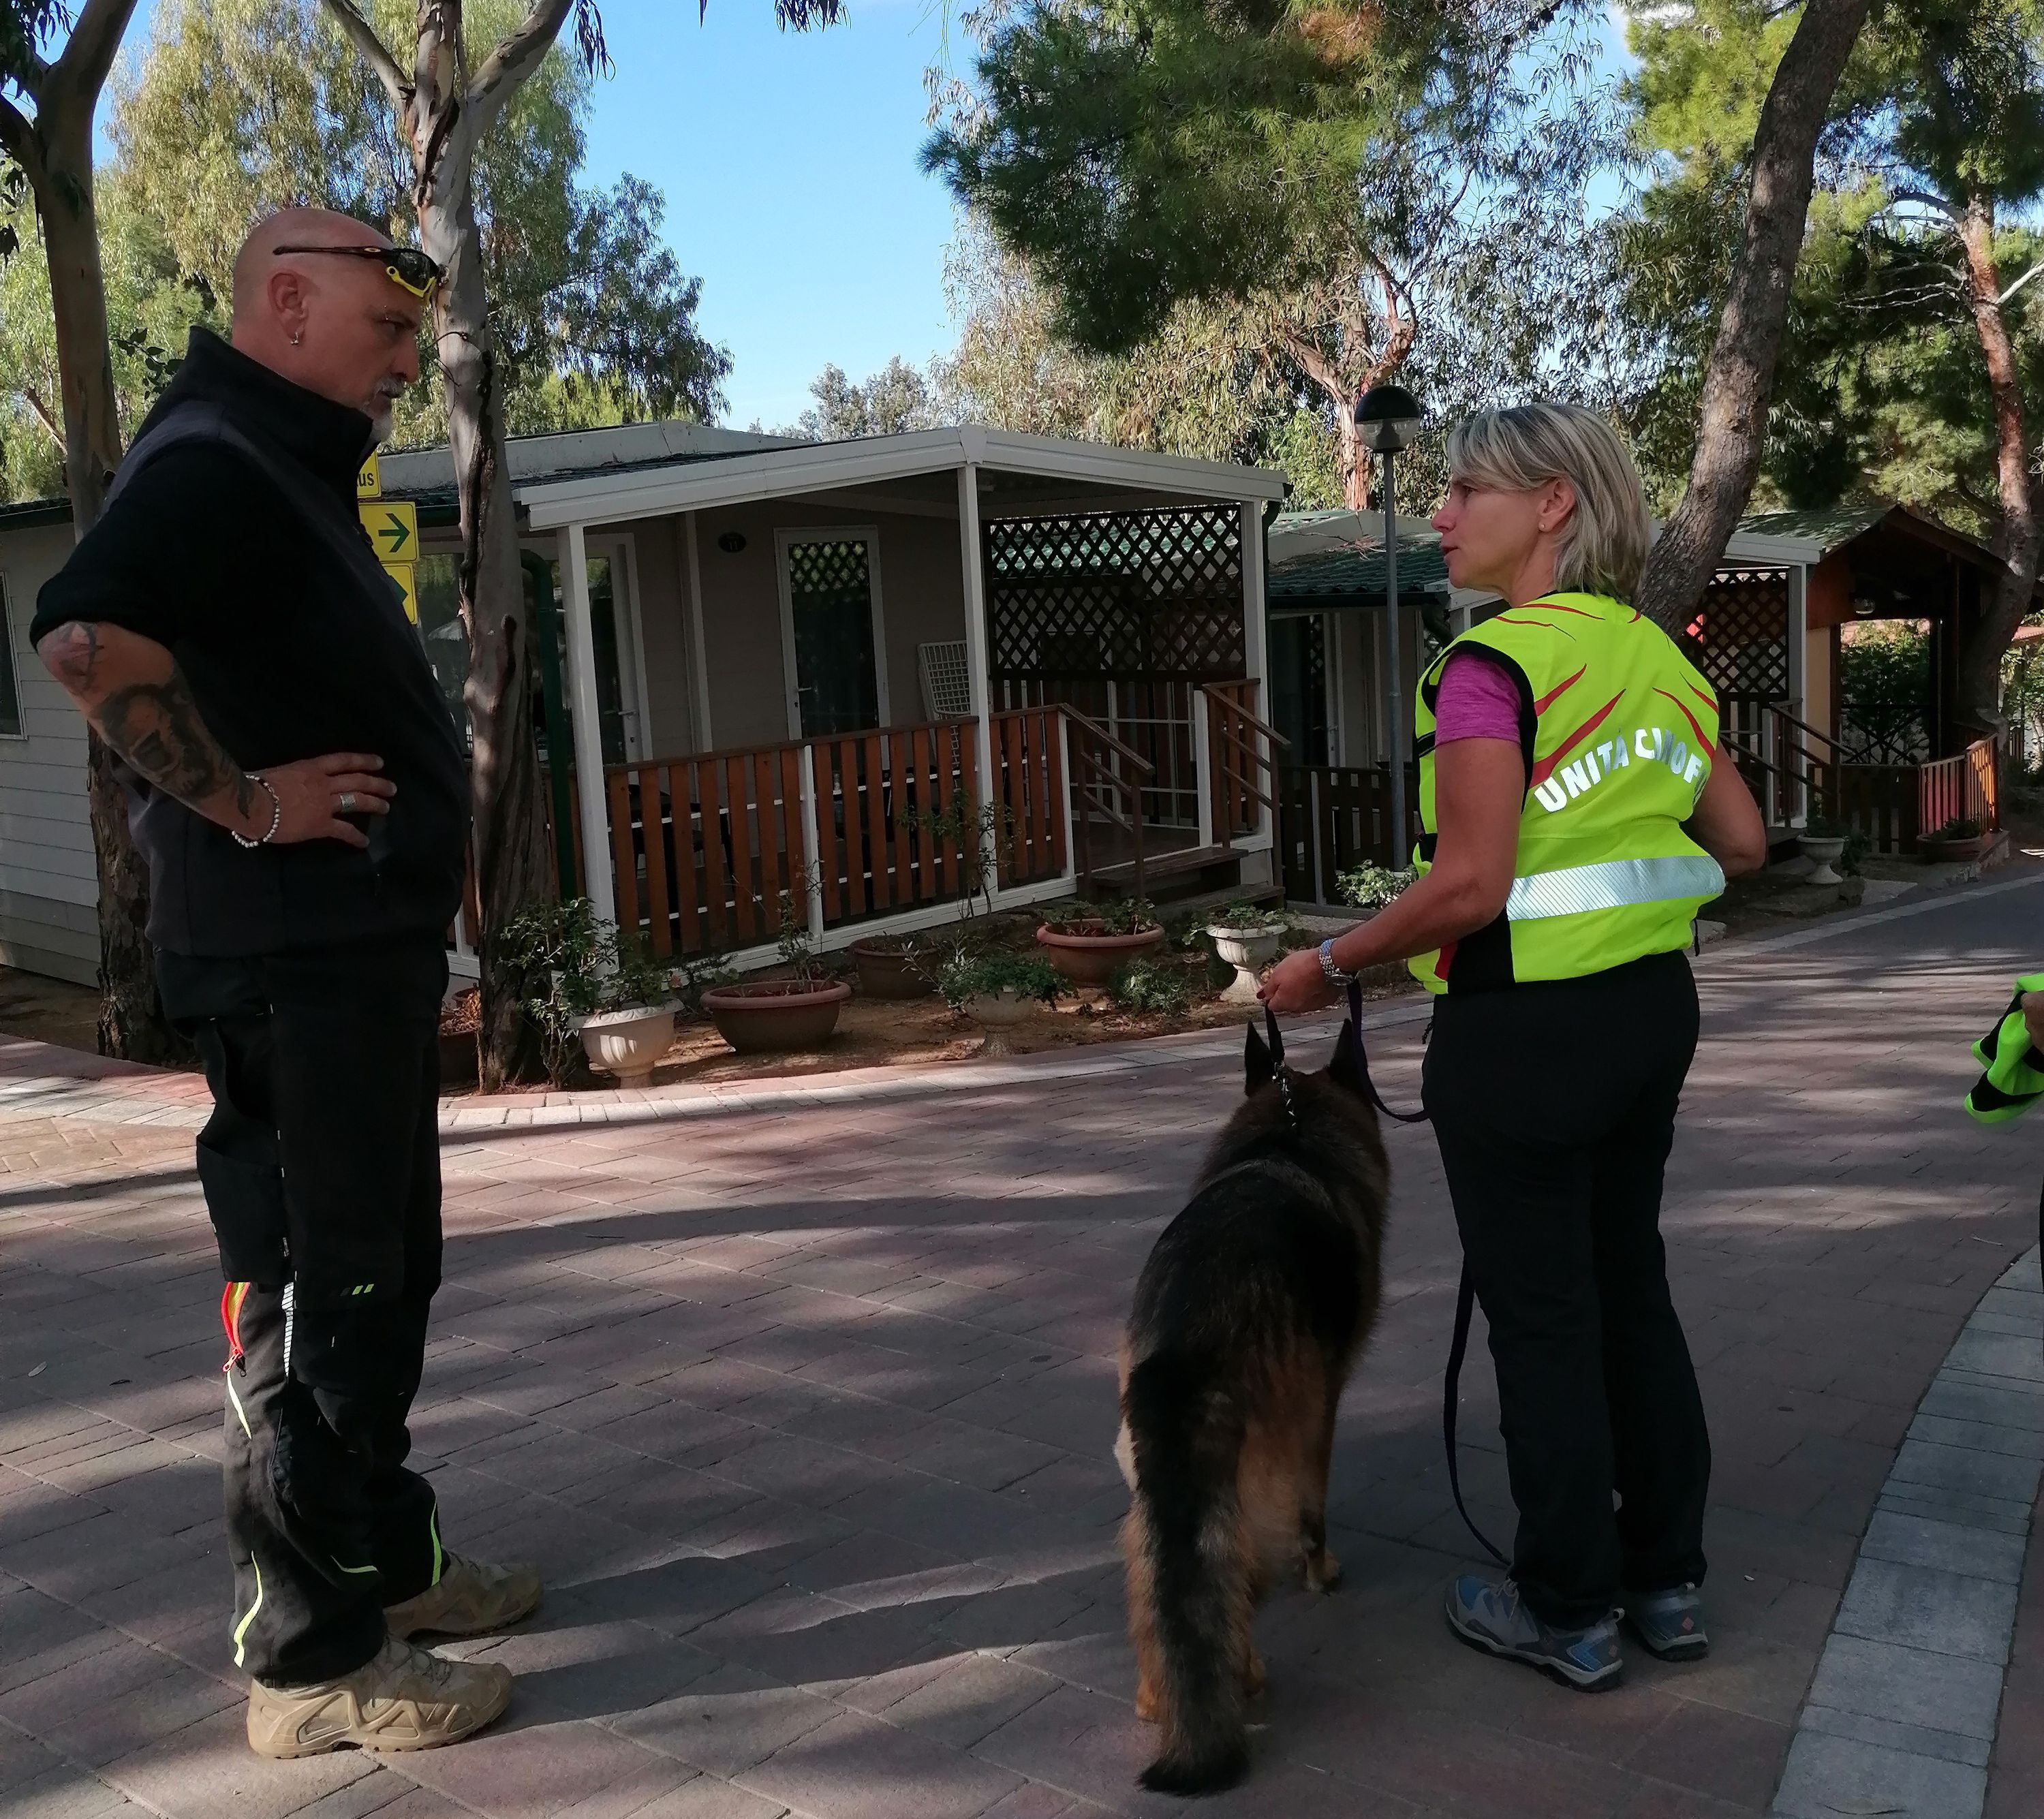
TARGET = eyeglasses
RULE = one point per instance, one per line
(405, 266)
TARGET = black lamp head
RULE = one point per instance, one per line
(1387, 419)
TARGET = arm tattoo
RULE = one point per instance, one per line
(158, 728)
(72, 654)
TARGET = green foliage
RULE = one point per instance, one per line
(1282, 205)
(1885, 692)
(970, 827)
(792, 944)
(970, 971)
(1121, 916)
(1146, 985)
(1959, 828)
(1371, 887)
(1881, 385)
(1246, 916)
(570, 964)
(895, 399)
(233, 107)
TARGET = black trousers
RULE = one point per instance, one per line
(321, 1165)
(1555, 1106)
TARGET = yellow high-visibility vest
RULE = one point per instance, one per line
(1621, 732)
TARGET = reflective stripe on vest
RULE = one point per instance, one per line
(1614, 884)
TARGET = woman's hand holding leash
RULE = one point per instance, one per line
(1296, 983)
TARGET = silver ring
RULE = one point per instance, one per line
(347, 802)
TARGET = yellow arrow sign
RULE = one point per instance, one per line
(369, 482)
(401, 573)
(393, 525)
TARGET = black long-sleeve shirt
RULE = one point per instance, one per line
(291, 652)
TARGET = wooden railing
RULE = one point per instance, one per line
(1965, 788)
(1332, 817)
(1242, 766)
(1108, 780)
(1029, 785)
(708, 852)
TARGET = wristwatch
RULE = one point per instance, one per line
(1334, 974)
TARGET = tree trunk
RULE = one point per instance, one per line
(1983, 643)
(509, 843)
(1740, 379)
(132, 1025)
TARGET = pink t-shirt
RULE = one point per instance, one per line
(1477, 700)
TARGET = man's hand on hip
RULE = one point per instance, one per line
(132, 690)
(316, 794)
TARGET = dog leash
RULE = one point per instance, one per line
(1465, 1290)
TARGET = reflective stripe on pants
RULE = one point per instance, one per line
(1614, 884)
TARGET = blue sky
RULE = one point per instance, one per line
(788, 161)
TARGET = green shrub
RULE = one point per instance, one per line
(1246, 915)
(1145, 985)
(1126, 916)
(1372, 887)
(570, 964)
(969, 972)
(1960, 827)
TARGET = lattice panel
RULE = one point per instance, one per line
(1739, 638)
(833, 568)
(1155, 594)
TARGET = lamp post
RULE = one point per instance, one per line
(1387, 420)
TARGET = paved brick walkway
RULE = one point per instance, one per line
(806, 1410)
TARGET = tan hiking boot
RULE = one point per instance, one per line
(401, 1698)
(472, 1599)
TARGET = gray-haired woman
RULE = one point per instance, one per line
(1576, 815)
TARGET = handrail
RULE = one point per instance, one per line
(1236, 707)
(1087, 725)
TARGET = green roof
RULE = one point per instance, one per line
(1829, 528)
(1355, 575)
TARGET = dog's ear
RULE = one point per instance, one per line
(1345, 1068)
(1257, 1067)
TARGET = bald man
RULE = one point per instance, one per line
(300, 790)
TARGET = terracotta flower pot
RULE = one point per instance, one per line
(889, 968)
(1939, 851)
(628, 1043)
(460, 1065)
(1248, 951)
(766, 1016)
(1093, 958)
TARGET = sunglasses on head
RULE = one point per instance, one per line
(405, 266)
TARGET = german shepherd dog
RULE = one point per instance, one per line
(1248, 1314)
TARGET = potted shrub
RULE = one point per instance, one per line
(1960, 839)
(461, 1023)
(996, 988)
(1369, 887)
(895, 966)
(1822, 841)
(767, 1016)
(1088, 943)
(630, 1023)
(584, 988)
(1248, 939)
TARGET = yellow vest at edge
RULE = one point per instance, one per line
(1626, 731)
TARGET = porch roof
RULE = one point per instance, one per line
(697, 481)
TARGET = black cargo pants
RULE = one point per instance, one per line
(321, 1165)
(1554, 1107)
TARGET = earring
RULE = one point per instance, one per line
(296, 338)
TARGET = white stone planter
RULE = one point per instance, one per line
(1248, 951)
(1824, 853)
(996, 1013)
(628, 1043)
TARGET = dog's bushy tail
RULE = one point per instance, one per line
(1187, 1430)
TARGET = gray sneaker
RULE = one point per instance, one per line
(1489, 1614)
(1670, 1623)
